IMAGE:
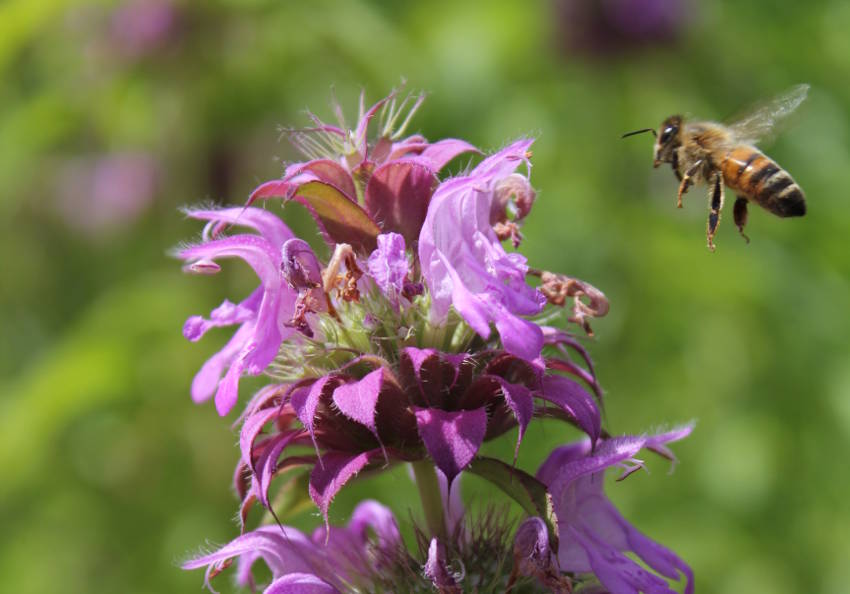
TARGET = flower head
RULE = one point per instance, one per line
(418, 338)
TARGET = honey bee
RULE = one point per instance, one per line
(719, 155)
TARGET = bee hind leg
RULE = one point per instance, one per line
(741, 216)
(687, 181)
(715, 206)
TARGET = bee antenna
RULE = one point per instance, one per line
(640, 132)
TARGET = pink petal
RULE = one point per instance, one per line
(276, 188)
(205, 382)
(438, 154)
(266, 223)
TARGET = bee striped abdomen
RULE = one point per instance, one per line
(749, 172)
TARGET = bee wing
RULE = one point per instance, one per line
(760, 120)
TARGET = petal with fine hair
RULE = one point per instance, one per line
(438, 154)
(451, 438)
(337, 469)
(358, 400)
(264, 222)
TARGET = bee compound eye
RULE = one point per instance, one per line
(668, 133)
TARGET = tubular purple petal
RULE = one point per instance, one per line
(593, 534)
(465, 265)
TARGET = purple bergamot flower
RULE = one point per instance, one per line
(418, 337)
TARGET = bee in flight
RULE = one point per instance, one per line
(719, 155)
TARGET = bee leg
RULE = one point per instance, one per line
(687, 181)
(741, 216)
(716, 204)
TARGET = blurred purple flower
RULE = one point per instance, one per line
(593, 536)
(104, 193)
(612, 26)
(141, 26)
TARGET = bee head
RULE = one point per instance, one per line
(668, 139)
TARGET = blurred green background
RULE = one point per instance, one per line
(112, 115)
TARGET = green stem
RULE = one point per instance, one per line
(429, 493)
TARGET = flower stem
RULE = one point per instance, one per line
(429, 494)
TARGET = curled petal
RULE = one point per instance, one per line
(371, 515)
(513, 199)
(575, 401)
(285, 550)
(435, 569)
(251, 429)
(264, 222)
(305, 401)
(226, 314)
(338, 469)
(534, 557)
(438, 154)
(267, 463)
(521, 402)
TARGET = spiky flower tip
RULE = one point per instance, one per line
(417, 339)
